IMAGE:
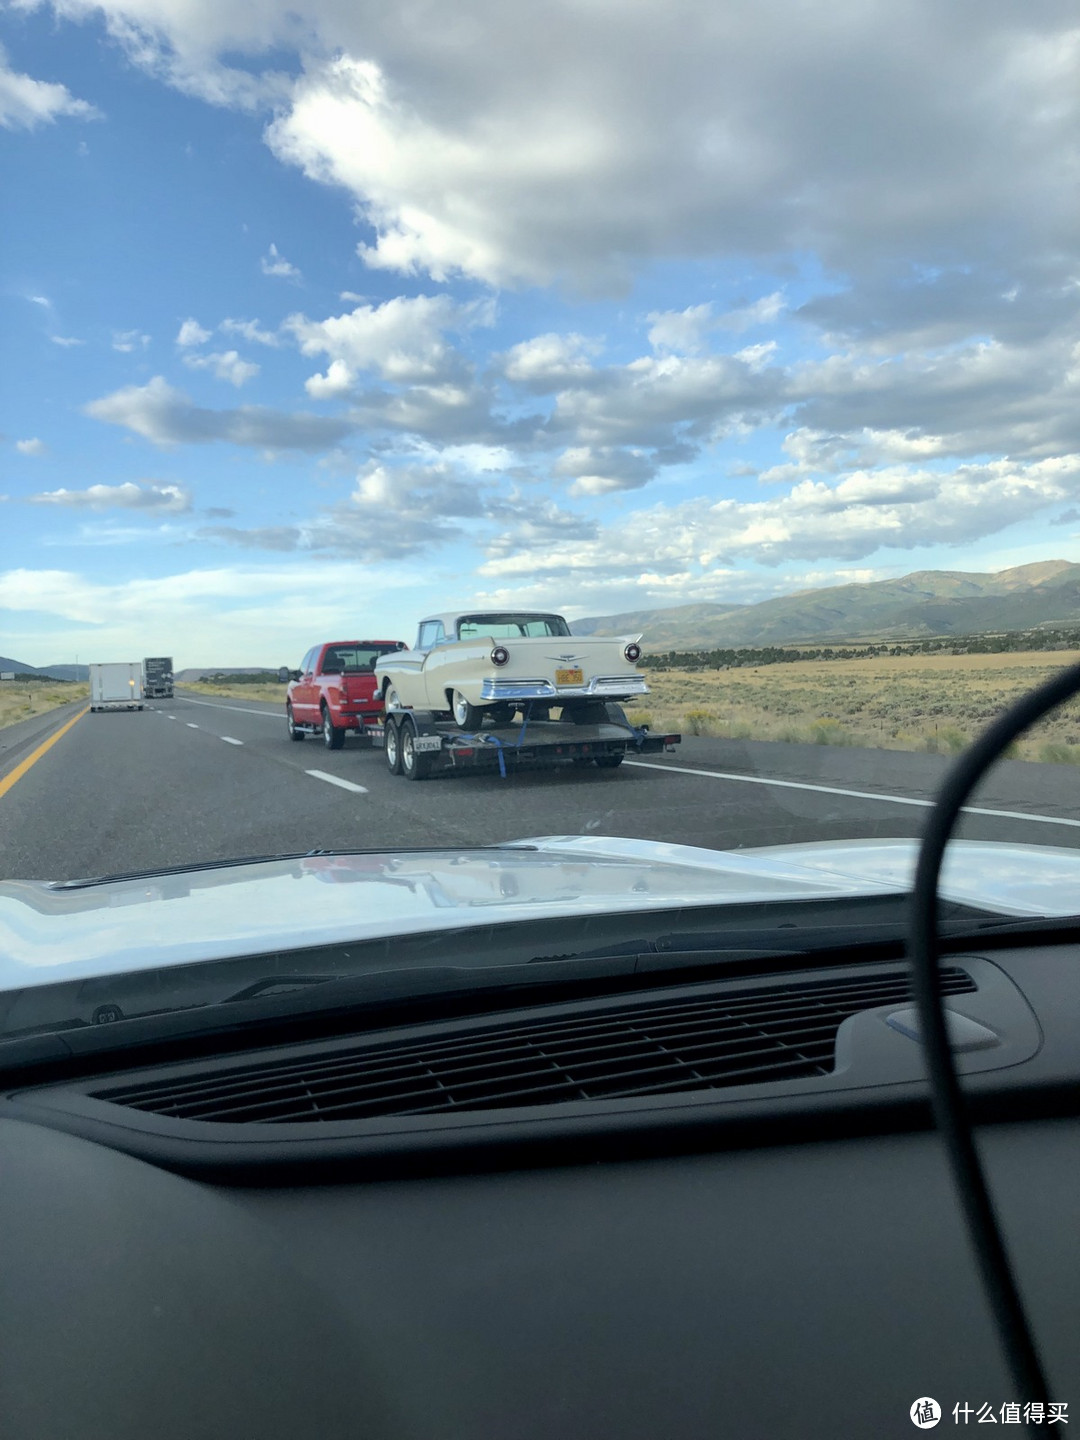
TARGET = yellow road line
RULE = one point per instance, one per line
(20, 770)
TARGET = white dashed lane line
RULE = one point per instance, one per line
(191, 725)
(855, 794)
(337, 780)
(230, 741)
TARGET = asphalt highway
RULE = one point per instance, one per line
(195, 779)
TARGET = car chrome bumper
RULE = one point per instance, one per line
(605, 685)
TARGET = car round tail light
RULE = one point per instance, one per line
(632, 652)
(500, 655)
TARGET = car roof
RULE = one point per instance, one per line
(450, 618)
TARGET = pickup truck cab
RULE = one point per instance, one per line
(334, 690)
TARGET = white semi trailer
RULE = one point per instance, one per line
(118, 686)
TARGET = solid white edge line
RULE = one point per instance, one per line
(230, 741)
(337, 780)
(854, 794)
(238, 709)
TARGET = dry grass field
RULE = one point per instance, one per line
(19, 700)
(933, 703)
(276, 693)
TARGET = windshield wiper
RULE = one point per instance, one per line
(192, 866)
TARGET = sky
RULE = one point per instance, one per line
(315, 319)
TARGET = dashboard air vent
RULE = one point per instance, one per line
(594, 1051)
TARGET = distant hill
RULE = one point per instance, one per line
(51, 672)
(197, 672)
(926, 603)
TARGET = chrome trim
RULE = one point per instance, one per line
(493, 689)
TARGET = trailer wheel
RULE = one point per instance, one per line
(392, 746)
(415, 764)
(333, 738)
(294, 733)
(610, 762)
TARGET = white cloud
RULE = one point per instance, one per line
(128, 340)
(864, 132)
(250, 330)
(26, 103)
(192, 333)
(760, 312)
(167, 416)
(682, 330)
(548, 363)
(149, 496)
(251, 614)
(31, 447)
(66, 342)
(897, 507)
(600, 470)
(226, 365)
(402, 339)
(274, 263)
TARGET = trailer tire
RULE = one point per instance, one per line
(294, 733)
(392, 746)
(333, 738)
(415, 765)
(610, 762)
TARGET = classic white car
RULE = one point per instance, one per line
(475, 663)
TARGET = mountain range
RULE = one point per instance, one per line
(50, 672)
(926, 603)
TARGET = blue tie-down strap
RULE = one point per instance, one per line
(502, 745)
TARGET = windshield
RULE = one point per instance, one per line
(727, 354)
(502, 627)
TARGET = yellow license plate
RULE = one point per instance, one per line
(569, 677)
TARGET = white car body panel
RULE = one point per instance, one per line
(423, 679)
(51, 933)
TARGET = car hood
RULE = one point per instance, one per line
(56, 932)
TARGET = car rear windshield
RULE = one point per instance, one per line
(349, 659)
(510, 626)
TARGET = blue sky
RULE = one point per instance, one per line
(317, 320)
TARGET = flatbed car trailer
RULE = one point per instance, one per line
(417, 744)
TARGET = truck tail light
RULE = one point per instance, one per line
(500, 655)
(632, 652)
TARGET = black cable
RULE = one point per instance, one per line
(947, 1099)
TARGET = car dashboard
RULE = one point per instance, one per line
(697, 1207)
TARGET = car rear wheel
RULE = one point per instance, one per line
(415, 764)
(588, 714)
(391, 699)
(392, 746)
(469, 717)
(294, 733)
(333, 738)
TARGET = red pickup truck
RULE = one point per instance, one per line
(334, 691)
